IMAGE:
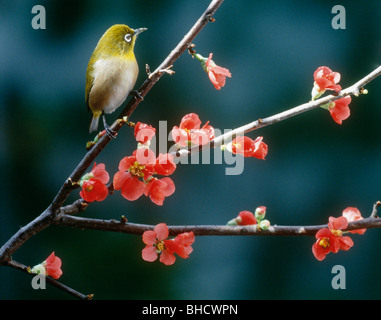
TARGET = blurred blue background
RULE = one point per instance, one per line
(314, 169)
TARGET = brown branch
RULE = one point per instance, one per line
(355, 89)
(207, 230)
(375, 209)
(51, 281)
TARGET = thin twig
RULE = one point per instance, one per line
(51, 281)
(375, 209)
(354, 89)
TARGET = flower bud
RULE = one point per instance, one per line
(235, 221)
(264, 224)
(260, 213)
(38, 269)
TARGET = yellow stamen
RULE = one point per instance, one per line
(324, 242)
(160, 246)
(137, 170)
(337, 233)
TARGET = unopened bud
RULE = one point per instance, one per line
(260, 213)
(264, 224)
(235, 221)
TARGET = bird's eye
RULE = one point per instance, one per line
(127, 37)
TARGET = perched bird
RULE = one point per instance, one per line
(112, 72)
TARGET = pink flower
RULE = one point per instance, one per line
(93, 184)
(339, 109)
(325, 79)
(159, 189)
(49, 267)
(165, 165)
(131, 169)
(157, 244)
(99, 172)
(143, 132)
(182, 244)
(93, 190)
(217, 74)
(331, 239)
(353, 214)
(53, 266)
(248, 147)
(190, 133)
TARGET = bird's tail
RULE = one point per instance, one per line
(94, 123)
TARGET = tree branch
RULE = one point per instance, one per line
(51, 281)
(354, 89)
(207, 230)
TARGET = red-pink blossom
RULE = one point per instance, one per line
(157, 244)
(217, 74)
(143, 132)
(158, 189)
(248, 147)
(353, 214)
(339, 109)
(326, 79)
(164, 164)
(331, 239)
(93, 190)
(53, 266)
(190, 131)
(132, 170)
(93, 184)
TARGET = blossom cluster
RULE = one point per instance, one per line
(326, 79)
(332, 239)
(137, 173)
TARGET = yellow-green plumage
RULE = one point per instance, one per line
(112, 71)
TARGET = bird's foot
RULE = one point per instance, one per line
(110, 133)
(136, 94)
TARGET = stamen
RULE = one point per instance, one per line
(324, 242)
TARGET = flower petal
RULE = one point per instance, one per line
(161, 231)
(339, 109)
(149, 253)
(190, 121)
(132, 188)
(99, 172)
(346, 243)
(126, 163)
(149, 237)
(318, 251)
(167, 258)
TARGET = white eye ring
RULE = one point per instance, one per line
(128, 37)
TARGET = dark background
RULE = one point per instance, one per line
(314, 169)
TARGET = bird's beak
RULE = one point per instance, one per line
(140, 30)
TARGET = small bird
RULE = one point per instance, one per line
(111, 72)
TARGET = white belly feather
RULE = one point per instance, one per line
(114, 79)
